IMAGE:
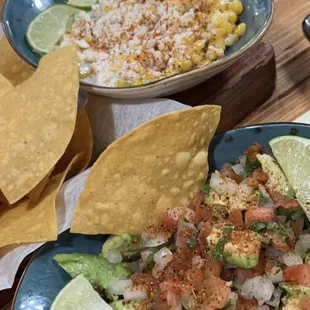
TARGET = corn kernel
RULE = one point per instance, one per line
(219, 43)
(196, 58)
(236, 6)
(184, 64)
(220, 32)
(201, 17)
(122, 84)
(230, 40)
(231, 17)
(218, 21)
(211, 55)
(240, 29)
(222, 6)
(190, 39)
(199, 45)
(137, 83)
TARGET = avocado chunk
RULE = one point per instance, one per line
(125, 305)
(95, 268)
(296, 294)
(277, 183)
(242, 250)
(129, 246)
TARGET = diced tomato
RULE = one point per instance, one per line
(253, 150)
(212, 269)
(246, 304)
(205, 230)
(297, 227)
(203, 213)
(304, 303)
(170, 290)
(260, 215)
(228, 171)
(259, 268)
(235, 217)
(218, 293)
(287, 203)
(252, 182)
(244, 274)
(167, 223)
(260, 176)
(195, 277)
(160, 305)
(299, 274)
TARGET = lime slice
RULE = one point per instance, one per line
(79, 294)
(45, 31)
(82, 3)
(293, 155)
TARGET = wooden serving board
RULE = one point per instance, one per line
(240, 89)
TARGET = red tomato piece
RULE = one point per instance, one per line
(299, 274)
(235, 217)
(265, 215)
(244, 274)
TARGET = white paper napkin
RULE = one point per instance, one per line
(109, 120)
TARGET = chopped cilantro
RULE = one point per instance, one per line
(219, 249)
(229, 229)
(207, 188)
(261, 200)
(258, 227)
(150, 263)
(191, 243)
(250, 166)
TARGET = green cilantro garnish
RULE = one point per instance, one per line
(229, 229)
(207, 188)
(150, 263)
(261, 200)
(219, 249)
(250, 166)
(191, 243)
(258, 227)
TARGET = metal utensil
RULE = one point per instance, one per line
(306, 27)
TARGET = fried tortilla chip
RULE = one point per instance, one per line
(35, 193)
(81, 142)
(37, 121)
(27, 222)
(159, 165)
(5, 85)
(12, 67)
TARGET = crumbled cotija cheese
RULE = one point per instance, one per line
(134, 42)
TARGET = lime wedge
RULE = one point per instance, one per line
(79, 294)
(45, 31)
(82, 3)
(293, 155)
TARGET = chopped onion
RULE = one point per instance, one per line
(275, 275)
(276, 298)
(292, 259)
(134, 295)
(303, 245)
(181, 212)
(245, 190)
(259, 288)
(232, 186)
(187, 301)
(198, 262)
(182, 227)
(265, 194)
(163, 257)
(82, 43)
(114, 256)
(177, 307)
(218, 183)
(242, 159)
(152, 241)
(118, 287)
(238, 168)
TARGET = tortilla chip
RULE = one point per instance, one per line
(159, 165)
(81, 142)
(37, 121)
(5, 85)
(12, 67)
(26, 222)
(36, 192)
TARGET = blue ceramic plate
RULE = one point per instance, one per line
(44, 279)
(257, 14)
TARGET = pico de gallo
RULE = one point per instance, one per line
(243, 244)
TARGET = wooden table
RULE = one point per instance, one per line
(292, 95)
